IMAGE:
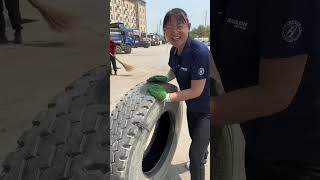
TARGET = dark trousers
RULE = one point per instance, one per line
(13, 8)
(280, 170)
(114, 63)
(199, 130)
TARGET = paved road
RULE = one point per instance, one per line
(148, 62)
(33, 73)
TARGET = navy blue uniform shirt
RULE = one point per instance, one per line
(193, 64)
(252, 30)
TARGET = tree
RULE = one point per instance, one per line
(200, 31)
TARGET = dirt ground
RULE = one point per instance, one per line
(148, 62)
(33, 73)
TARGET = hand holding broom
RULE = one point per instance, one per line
(57, 20)
(126, 66)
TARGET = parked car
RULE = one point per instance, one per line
(153, 42)
(155, 39)
(149, 40)
(142, 43)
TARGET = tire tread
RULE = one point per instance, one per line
(67, 140)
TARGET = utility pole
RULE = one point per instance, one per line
(160, 28)
(157, 28)
(205, 19)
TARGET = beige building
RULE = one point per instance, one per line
(130, 12)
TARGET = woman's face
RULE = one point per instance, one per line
(177, 32)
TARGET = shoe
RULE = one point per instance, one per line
(17, 37)
(204, 161)
(3, 38)
(115, 73)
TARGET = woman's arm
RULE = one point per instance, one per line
(196, 89)
(279, 80)
(170, 75)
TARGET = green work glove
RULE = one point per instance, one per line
(158, 92)
(158, 78)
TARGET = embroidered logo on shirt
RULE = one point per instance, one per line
(237, 23)
(201, 71)
(291, 31)
(184, 69)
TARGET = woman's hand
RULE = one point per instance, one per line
(158, 79)
(158, 92)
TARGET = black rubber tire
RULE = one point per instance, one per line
(70, 139)
(132, 122)
(128, 49)
(227, 160)
(118, 49)
(228, 153)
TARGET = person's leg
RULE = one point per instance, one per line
(13, 7)
(3, 38)
(199, 129)
(2, 20)
(114, 65)
(110, 63)
(205, 157)
(190, 123)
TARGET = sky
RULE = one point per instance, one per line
(156, 10)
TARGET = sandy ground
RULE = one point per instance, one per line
(33, 73)
(148, 62)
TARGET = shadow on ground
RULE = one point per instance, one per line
(48, 44)
(123, 75)
(176, 170)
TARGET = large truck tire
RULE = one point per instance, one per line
(70, 139)
(144, 134)
(228, 144)
(228, 153)
(128, 49)
(118, 49)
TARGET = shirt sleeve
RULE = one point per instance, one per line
(200, 66)
(284, 28)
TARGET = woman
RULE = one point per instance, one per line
(267, 54)
(189, 63)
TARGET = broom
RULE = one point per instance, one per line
(126, 66)
(57, 20)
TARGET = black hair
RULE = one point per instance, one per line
(178, 13)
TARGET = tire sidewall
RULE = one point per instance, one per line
(228, 153)
(118, 49)
(128, 49)
(175, 110)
